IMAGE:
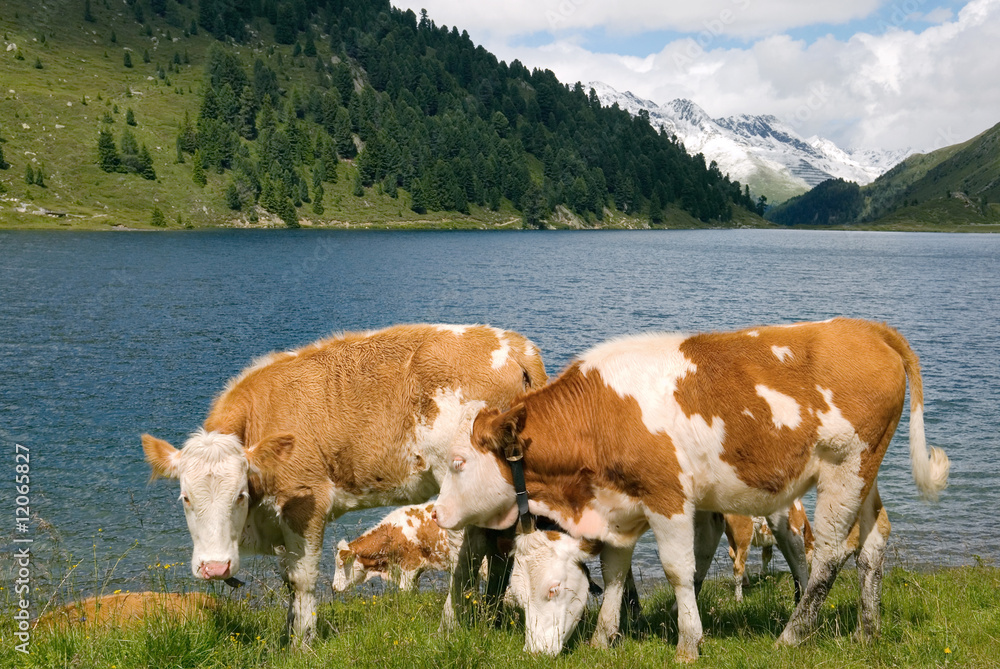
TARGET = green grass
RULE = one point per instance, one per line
(949, 617)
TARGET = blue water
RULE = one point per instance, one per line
(104, 336)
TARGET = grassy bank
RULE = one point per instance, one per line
(950, 617)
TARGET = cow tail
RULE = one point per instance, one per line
(930, 466)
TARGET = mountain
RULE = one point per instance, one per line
(761, 151)
(327, 112)
(956, 184)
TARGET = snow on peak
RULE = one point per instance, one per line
(762, 151)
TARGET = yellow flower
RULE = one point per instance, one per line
(947, 651)
(117, 592)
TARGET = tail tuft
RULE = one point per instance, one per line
(930, 470)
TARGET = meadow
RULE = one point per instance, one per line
(948, 617)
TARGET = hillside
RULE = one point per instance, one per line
(955, 185)
(315, 112)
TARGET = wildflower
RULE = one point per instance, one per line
(117, 592)
(947, 651)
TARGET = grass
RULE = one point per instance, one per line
(949, 617)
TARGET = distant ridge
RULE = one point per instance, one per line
(761, 151)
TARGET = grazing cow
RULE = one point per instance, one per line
(746, 531)
(126, 609)
(642, 431)
(406, 543)
(351, 422)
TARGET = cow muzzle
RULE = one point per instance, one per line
(215, 570)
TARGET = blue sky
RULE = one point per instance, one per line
(864, 73)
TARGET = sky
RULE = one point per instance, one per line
(874, 74)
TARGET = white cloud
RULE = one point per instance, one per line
(504, 18)
(904, 87)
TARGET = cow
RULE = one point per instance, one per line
(742, 532)
(128, 609)
(354, 421)
(399, 548)
(643, 431)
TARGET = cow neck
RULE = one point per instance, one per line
(514, 454)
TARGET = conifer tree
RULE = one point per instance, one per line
(3, 163)
(40, 177)
(358, 189)
(129, 116)
(87, 15)
(157, 219)
(128, 59)
(107, 152)
(198, 171)
(29, 175)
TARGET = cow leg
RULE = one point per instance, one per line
(873, 533)
(300, 563)
(708, 529)
(631, 609)
(497, 544)
(464, 578)
(792, 546)
(675, 542)
(408, 579)
(615, 564)
(739, 557)
(836, 509)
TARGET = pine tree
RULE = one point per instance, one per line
(318, 199)
(655, 210)
(146, 164)
(3, 163)
(87, 15)
(40, 177)
(358, 189)
(198, 171)
(29, 175)
(419, 197)
(145, 56)
(107, 152)
(158, 220)
(129, 116)
(128, 59)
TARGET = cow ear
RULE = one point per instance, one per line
(161, 456)
(266, 456)
(494, 431)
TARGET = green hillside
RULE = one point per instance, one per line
(957, 185)
(315, 112)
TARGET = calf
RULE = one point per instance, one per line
(402, 546)
(642, 431)
(128, 609)
(351, 422)
(743, 532)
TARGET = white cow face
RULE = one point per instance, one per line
(213, 471)
(349, 571)
(549, 582)
(474, 490)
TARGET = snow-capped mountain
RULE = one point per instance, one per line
(761, 151)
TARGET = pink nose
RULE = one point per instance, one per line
(215, 570)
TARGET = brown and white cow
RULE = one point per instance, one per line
(355, 421)
(641, 432)
(742, 532)
(402, 546)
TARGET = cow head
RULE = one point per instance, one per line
(214, 471)
(549, 581)
(349, 571)
(477, 487)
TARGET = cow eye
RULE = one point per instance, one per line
(553, 591)
(243, 496)
(458, 464)
(185, 499)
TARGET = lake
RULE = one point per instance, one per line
(104, 336)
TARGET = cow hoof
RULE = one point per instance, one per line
(686, 655)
